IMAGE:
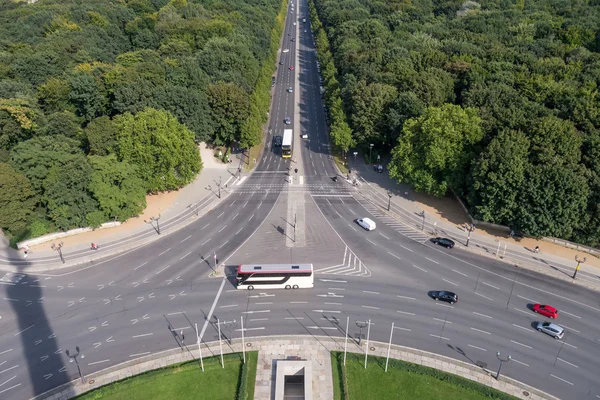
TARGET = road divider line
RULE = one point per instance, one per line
(522, 311)
(405, 248)
(393, 255)
(487, 284)
(373, 308)
(571, 329)
(164, 252)
(566, 362)
(479, 330)
(367, 291)
(406, 297)
(433, 261)
(525, 298)
(570, 345)
(257, 319)
(266, 302)
(522, 327)
(255, 311)
(404, 312)
(481, 315)
(442, 320)
(460, 273)
(384, 236)
(99, 362)
(139, 354)
(251, 329)
(572, 315)
(561, 379)
(519, 362)
(478, 348)
(298, 302)
(450, 282)
(162, 270)
(185, 255)
(333, 304)
(140, 266)
(185, 239)
(439, 337)
(402, 329)
(485, 297)
(229, 305)
(419, 268)
(294, 318)
(520, 344)
(142, 335)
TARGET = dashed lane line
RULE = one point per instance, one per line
(566, 362)
(478, 348)
(521, 344)
(485, 297)
(561, 379)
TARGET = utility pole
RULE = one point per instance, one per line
(423, 215)
(579, 262)
(470, 229)
(73, 358)
(370, 153)
(389, 200)
(151, 222)
(58, 247)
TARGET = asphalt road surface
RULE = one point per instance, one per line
(141, 302)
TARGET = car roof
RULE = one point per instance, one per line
(443, 292)
(368, 220)
(547, 307)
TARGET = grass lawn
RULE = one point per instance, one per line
(402, 381)
(184, 381)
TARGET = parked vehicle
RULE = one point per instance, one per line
(445, 242)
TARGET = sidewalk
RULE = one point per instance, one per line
(446, 217)
(313, 348)
(176, 209)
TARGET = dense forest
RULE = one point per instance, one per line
(496, 101)
(102, 102)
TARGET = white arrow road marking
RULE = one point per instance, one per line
(111, 283)
(52, 336)
(82, 300)
(40, 299)
(92, 328)
(151, 295)
(145, 280)
(71, 284)
(106, 301)
(134, 321)
(118, 297)
(100, 287)
(145, 316)
(182, 293)
(97, 344)
(105, 323)
(172, 296)
(47, 376)
(110, 339)
(59, 351)
(29, 302)
(63, 369)
(37, 342)
(71, 303)
(44, 358)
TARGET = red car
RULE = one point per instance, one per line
(291, 67)
(545, 310)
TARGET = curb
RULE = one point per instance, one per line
(289, 342)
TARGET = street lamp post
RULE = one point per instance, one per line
(423, 224)
(370, 153)
(579, 262)
(389, 200)
(502, 361)
(73, 358)
(355, 154)
(151, 222)
(470, 229)
(361, 325)
(58, 247)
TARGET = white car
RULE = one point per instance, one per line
(286, 50)
(294, 24)
(304, 136)
(366, 223)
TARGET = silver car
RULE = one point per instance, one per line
(557, 332)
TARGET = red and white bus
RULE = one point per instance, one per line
(275, 276)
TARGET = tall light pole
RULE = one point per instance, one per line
(502, 361)
(470, 229)
(361, 325)
(423, 215)
(73, 358)
(389, 200)
(58, 247)
(151, 222)
(579, 262)
(355, 154)
(370, 153)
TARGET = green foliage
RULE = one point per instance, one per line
(101, 136)
(432, 152)
(162, 148)
(229, 107)
(63, 123)
(17, 200)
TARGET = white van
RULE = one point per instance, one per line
(366, 223)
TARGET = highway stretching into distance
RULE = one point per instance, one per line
(135, 304)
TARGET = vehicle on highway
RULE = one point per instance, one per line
(286, 50)
(293, 39)
(305, 31)
(304, 136)
(378, 168)
(445, 242)
(545, 310)
(290, 34)
(443, 295)
(287, 121)
(275, 276)
(277, 140)
(280, 62)
(272, 81)
(291, 67)
(557, 332)
(289, 89)
(366, 223)
(294, 24)
(286, 144)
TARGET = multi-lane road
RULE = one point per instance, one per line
(135, 304)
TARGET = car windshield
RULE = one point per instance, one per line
(546, 324)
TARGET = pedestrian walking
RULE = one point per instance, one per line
(512, 233)
(26, 252)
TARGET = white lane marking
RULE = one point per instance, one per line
(439, 337)
(162, 270)
(255, 312)
(182, 242)
(139, 354)
(404, 312)
(481, 315)
(5, 351)
(406, 297)
(9, 299)
(294, 318)
(520, 344)
(142, 335)
(322, 327)
(140, 265)
(333, 304)
(571, 329)
(298, 302)
(450, 282)
(12, 387)
(402, 329)
(176, 313)
(267, 302)
(433, 261)
(224, 226)
(570, 345)
(519, 362)
(443, 305)
(393, 255)
(405, 248)
(566, 362)
(475, 347)
(367, 291)
(98, 362)
(485, 297)
(229, 305)
(237, 233)
(372, 242)
(185, 255)
(572, 315)
(335, 288)
(227, 241)
(9, 379)
(523, 311)
(327, 311)
(561, 379)
(460, 273)
(205, 226)
(206, 241)
(487, 284)
(384, 236)
(235, 216)
(29, 327)
(525, 298)
(332, 280)
(442, 320)
(251, 329)
(164, 252)
(13, 367)
(419, 268)
(374, 308)
(479, 330)
(257, 319)
(521, 327)
(220, 215)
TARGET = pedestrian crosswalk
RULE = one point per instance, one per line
(299, 186)
(350, 266)
(392, 222)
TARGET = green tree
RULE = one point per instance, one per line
(63, 123)
(369, 105)
(230, 106)
(101, 136)
(163, 149)
(88, 95)
(17, 200)
(434, 150)
(120, 192)
(53, 95)
(497, 178)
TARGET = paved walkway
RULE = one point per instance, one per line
(314, 348)
(445, 217)
(176, 209)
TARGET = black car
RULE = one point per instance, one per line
(447, 243)
(277, 140)
(450, 297)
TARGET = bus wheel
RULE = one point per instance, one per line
(295, 287)
(287, 287)
(250, 287)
